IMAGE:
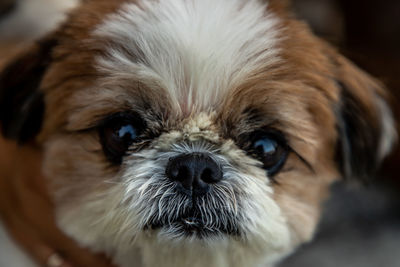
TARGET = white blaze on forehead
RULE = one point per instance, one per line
(197, 50)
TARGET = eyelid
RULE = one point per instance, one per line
(129, 116)
(271, 133)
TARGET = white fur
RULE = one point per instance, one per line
(113, 221)
(196, 50)
(388, 126)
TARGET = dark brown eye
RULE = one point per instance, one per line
(271, 150)
(118, 133)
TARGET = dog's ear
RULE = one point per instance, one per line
(21, 102)
(365, 122)
(284, 6)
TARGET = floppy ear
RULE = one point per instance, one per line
(21, 102)
(365, 122)
(280, 5)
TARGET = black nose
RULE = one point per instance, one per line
(195, 172)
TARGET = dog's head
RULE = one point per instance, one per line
(204, 131)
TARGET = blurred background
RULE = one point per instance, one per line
(23, 21)
(361, 224)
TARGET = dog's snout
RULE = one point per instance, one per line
(195, 172)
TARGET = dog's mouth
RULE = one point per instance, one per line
(182, 215)
(194, 224)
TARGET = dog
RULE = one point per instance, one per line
(193, 133)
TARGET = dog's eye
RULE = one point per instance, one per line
(118, 133)
(271, 150)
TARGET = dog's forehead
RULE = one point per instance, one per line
(180, 58)
(193, 53)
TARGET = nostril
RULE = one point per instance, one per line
(182, 174)
(209, 176)
(173, 174)
(178, 173)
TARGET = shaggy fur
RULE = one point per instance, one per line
(203, 75)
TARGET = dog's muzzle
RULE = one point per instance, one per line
(197, 206)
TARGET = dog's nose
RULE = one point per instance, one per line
(195, 172)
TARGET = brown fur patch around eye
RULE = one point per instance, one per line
(284, 106)
(72, 69)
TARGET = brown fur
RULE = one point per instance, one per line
(298, 95)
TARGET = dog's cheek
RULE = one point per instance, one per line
(84, 190)
(300, 197)
(76, 169)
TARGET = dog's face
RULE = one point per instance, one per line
(193, 132)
